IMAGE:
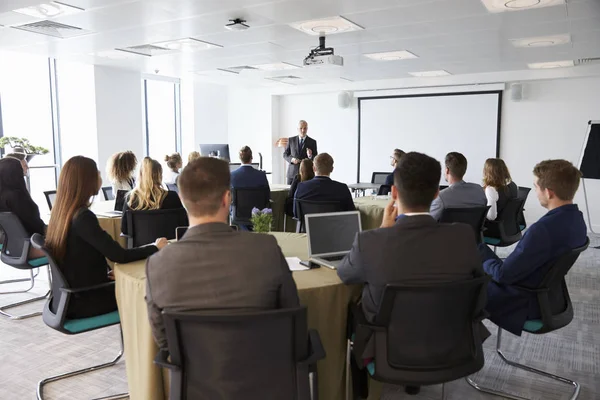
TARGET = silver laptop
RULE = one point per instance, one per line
(330, 236)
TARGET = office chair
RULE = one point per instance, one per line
(60, 296)
(305, 207)
(523, 193)
(442, 187)
(243, 200)
(15, 252)
(384, 190)
(557, 312)
(505, 230)
(379, 177)
(144, 227)
(450, 314)
(172, 187)
(50, 198)
(271, 353)
(107, 191)
(472, 216)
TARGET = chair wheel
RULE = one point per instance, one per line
(412, 390)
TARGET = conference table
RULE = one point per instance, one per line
(371, 211)
(320, 290)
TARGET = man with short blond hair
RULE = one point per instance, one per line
(561, 230)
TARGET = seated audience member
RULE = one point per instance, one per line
(208, 257)
(174, 164)
(149, 193)
(80, 246)
(246, 176)
(194, 155)
(394, 160)
(498, 185)
(562, 229)
(306, 173)
(15, 198)
(323, 188)
(120, 171)
(459, 193)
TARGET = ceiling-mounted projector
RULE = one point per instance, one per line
(237, 24)
(322, 56)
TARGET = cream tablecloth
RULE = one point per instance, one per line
(371, 211)
(112, 225)
(319, 289)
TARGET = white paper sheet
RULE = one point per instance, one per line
(294, 264)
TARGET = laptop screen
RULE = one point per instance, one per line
(332, 233)
(120, 200)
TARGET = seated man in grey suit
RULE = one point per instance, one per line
(204, 270)
(460, 193)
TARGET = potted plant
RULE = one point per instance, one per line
(20, 145)
(262, 220)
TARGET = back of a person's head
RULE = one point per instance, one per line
(148, 194)
(11, 175)
(246, 155)
(560, 176)
(306, 170)
(456, 164)
(398, 154)
(417, 180)
(121, 166)
(495, 173)
(173, 161)
(194, 155)
(17, 156)
(323, 164)
(202, 185)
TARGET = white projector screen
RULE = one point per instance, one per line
(432, 124)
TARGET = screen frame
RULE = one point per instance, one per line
(321, 215)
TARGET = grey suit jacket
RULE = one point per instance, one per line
(214, 267)
(460, 194)
(417, 249)
(293, 150)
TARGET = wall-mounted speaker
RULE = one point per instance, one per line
(516, 92)
(344, 99)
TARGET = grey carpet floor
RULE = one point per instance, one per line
(30, 351)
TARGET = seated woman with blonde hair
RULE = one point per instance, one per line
(498, 185)
(149, 193)
(194, 155)
(174, 164)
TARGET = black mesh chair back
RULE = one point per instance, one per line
(505, 230)
(238, 356)
(145, 227)
(244, 200)
(305, 207)
(426, 335)
(442, 187)
(553, 295)
(523, 193)
(50, 198)
(384, 190)
(379, 177)
(172, 187)
(472, 216)
(107, 191)
(16, 243)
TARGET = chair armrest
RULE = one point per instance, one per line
(89, 288)
(162, 360)
(316, 349)
(531, 290)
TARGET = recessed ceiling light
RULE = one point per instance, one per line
(328, 26)
(187, 45)
(429, 74)
(49, 10)
(391, 55)
(216, 72)
(51, 28)
(542, 41)
(496, 6)
(275, 66)
(552, 64)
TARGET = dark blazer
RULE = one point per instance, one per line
(170, 201)
(556, 233)
(88, 247)
(204, 270)
(289, 202)
(323, 188)
(248, 177)
(22, 205)
(389, 180)
(293, 150)
(417, 249)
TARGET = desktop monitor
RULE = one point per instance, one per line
(215, 150)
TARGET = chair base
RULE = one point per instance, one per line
(40, 387)
(484, 389)
(20, 303)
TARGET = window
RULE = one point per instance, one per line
(163, 133)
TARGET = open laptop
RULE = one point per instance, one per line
(330, 236)
(119, 203)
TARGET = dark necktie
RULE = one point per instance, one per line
(301, 144)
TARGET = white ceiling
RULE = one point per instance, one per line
(459, 36)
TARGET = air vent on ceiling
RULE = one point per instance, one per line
(239, 68)
(287, 79)
(148, 50)
(587, 61)
(51, 28)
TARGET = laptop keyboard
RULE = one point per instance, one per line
(333, 258)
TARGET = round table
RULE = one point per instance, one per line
(320, 290)
(110, 223)
(371, 211)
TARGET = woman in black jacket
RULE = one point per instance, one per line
(15, 198)
(80, 246)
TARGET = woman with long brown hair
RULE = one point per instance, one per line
(498, 186)
(306, 173)
(78, 243)
(120, 170)
(149, 193)
(174, 164)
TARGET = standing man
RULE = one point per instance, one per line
(298, 148)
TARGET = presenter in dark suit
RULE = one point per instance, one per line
(298, 148)
(246, 176)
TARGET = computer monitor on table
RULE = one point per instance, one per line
(215, 150)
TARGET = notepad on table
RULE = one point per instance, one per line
(294, 264)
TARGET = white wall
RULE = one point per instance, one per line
(211, 114)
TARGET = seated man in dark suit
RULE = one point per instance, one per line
(410, 246)
(246, 176)
(562, 229)
(323, 188)
(204, 270)
(459, 193)
(394, 160)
